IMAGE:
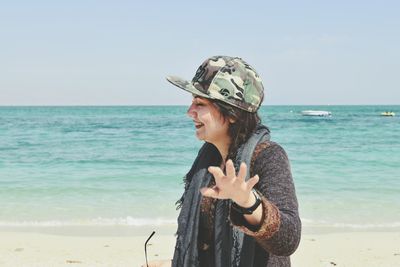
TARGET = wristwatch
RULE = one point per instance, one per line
(251, 209)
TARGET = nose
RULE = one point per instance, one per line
(191, 111)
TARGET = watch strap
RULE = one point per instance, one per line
(248, 210)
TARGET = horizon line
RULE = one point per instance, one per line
(166, 105)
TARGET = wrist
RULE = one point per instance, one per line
(250, 205)
(248, 201)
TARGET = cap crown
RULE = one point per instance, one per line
(231, 80)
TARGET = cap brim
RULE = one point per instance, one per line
(185, 85)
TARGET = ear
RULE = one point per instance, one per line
(232, 120)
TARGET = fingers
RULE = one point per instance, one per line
(230, 169)
(229, 185)
(216, 171)
(252, 182)
(242, 171)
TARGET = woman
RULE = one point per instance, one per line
(239, 206)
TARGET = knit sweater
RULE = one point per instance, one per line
(278, 235)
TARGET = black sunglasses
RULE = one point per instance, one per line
(145, 246)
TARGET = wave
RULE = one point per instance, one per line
(138, 222)
(128, 221)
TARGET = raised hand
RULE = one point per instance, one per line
(230, 185)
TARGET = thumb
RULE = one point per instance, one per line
(209, 192)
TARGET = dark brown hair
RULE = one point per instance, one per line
(241, 129)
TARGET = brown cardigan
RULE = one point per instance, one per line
(278, 236)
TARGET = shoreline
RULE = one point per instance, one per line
(93, 230)
(167, 229)
(323, 249)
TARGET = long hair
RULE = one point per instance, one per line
(241, 129)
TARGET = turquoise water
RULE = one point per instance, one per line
(124, 165)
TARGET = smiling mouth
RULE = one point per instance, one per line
(198, 125)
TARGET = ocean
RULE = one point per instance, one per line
(123, 165)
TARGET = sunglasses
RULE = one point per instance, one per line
(145, 247)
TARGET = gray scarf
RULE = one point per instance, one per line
(232, 247)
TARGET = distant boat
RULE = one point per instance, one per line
(319, 113)
(388, 114)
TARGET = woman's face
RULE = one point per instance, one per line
(209, 122)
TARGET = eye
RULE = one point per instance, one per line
(198, 103)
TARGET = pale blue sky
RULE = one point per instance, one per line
(119, 52)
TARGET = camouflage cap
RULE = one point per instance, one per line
(228, 79)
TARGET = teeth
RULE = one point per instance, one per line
(198, 124)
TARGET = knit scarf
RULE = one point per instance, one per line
(232, 247)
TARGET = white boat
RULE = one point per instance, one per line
(388, 114)
(320, 113)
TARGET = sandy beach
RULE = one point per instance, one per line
(335, 249)
(93, 198)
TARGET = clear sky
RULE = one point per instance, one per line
(119, 52)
